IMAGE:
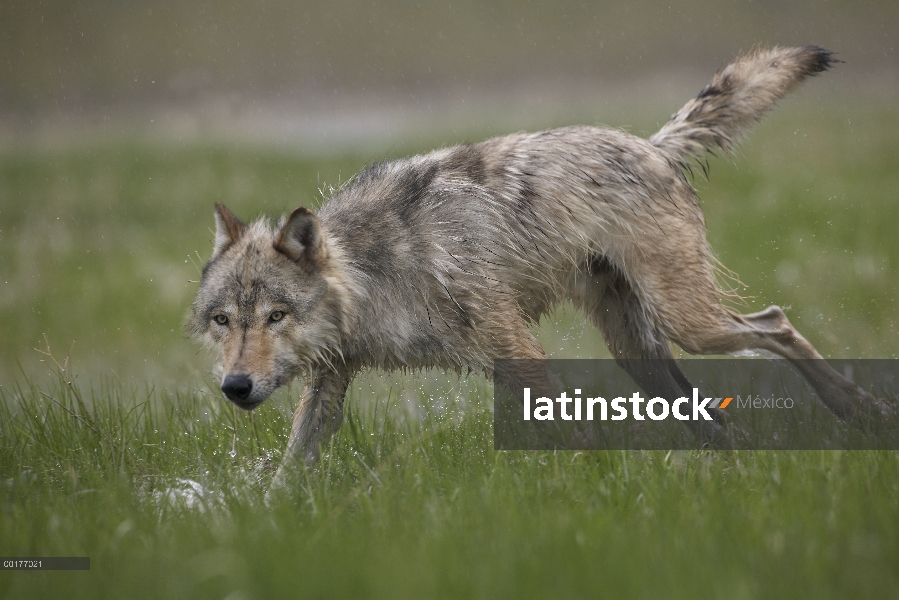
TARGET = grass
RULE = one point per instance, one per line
(418, 505)
(140, 465)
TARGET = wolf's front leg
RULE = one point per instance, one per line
(317, 416)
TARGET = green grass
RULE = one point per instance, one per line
(410, 503)
(411, 500)
(99, 245)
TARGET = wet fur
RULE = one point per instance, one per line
(446, 259)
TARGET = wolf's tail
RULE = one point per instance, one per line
(736, 99)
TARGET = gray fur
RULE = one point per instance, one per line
(445, 259)
(737, 98)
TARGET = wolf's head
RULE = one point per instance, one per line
(270, 300)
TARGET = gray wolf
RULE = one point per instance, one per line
(445, 260)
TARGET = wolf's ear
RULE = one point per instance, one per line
(300, 239)
(228, 228)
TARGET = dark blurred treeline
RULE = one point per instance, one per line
(64, 54)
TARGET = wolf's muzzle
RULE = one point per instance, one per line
(238, 387)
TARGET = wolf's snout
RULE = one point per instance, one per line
(237, 387)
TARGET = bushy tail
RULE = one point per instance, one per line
(736, 99)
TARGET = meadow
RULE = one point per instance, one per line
(120, 447)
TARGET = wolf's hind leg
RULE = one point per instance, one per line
(677, 285)
(771, 330)
(641, 350)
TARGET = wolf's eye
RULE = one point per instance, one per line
(221, 319)
(276, 316)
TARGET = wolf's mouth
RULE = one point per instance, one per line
(239, 389)
(247, 405)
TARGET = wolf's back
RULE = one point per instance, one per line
(736, 99)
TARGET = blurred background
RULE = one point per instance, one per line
(121, 123)
(318, 73)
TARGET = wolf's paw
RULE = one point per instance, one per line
(872, 410)
(721, 417)
(883, 407)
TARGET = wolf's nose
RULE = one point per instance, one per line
(237, 387)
